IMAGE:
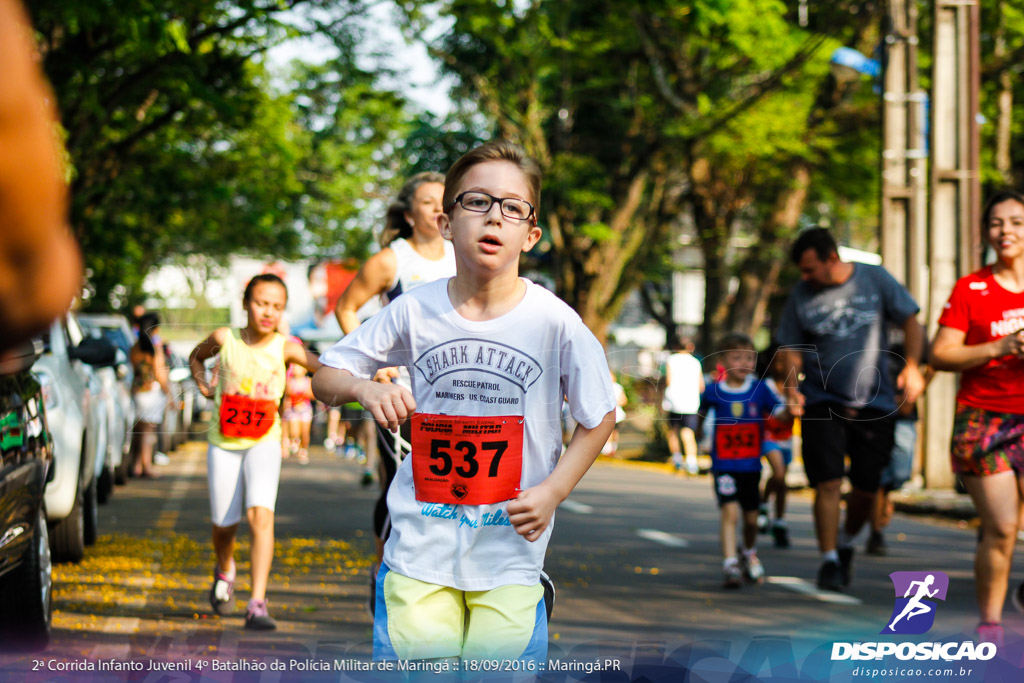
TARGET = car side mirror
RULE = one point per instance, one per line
(92, 351)
(20, 357)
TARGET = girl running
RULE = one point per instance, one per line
(298, 412)
(245, 437)
(980, 336)
(413, 254)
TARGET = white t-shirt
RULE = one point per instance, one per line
(682, 395)
(414, 270)
(521, 363)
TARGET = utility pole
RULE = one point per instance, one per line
(954, 238)
(904, 155)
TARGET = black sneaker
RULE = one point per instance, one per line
(257, 618)
(830, 576)
(732, 575)
(876, 544)
(846, 563)
(549, 593)
(221, 592)
(781, 535)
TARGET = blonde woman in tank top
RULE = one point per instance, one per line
(245, 437)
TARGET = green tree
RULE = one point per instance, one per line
(180, 144)
(641, 112)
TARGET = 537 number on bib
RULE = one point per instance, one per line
(466, 460)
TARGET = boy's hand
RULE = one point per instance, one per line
(531, 511)
(390, 404)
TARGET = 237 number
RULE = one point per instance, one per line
(442, 457)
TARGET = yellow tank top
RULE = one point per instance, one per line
(254, 373)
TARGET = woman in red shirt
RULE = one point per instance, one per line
(981, 336)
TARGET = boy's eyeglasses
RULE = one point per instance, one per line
(481, 202)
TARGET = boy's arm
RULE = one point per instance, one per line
(531, 511)
(390, 404)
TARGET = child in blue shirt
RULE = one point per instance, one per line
(741, 403)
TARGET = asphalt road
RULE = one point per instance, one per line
(634, 557)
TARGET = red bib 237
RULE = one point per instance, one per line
(244, 417)
(459, 460)
(738, 441)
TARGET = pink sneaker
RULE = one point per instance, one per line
(990, 633)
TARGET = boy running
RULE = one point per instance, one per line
(490, 355)
(741, 404)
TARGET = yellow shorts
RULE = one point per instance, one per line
(418, 620)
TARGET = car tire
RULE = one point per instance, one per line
(26, 595)
(67, 537)
(105, 485)
(90, 521)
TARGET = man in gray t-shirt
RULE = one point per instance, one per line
(834, 328)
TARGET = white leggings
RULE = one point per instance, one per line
(258, 466)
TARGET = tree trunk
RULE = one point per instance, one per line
(760, 271)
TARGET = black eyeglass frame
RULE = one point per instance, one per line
(500, 202)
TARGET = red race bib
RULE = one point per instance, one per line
(738, 441)
(244, 417)
(460, 460)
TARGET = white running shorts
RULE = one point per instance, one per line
(150, 404)
(259, 467)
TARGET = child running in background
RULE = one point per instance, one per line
(298, 412)
(778, 451)
(741, 403)
(245, 437)
(489, 355)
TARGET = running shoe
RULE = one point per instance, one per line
(780, 534)
(367, 479)
(303, 456)
(1017, 597)
(732, 575)
(161, 459)
(876, 544)
(692, 469)
(549, 593)
(221, 592)
(990, 633)
(350, 451)
(677, 462)
(329, 443)
(830, 576)
(762, 520)
(846, 563)
(753, 570)
(257, 618)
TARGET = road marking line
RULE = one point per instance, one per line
(573, 506)
(803, 587)
(663, 538)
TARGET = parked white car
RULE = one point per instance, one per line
(78, 421)
(117, 390)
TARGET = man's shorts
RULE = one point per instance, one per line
(832, 431)
(419, 620)
(683, 421)
(985, 442)
(738, 487)
(784, 447)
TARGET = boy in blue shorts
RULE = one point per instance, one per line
(741, 403)
(491, 356)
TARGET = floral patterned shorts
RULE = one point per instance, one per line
(986, 442)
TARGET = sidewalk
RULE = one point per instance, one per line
(947, 503)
